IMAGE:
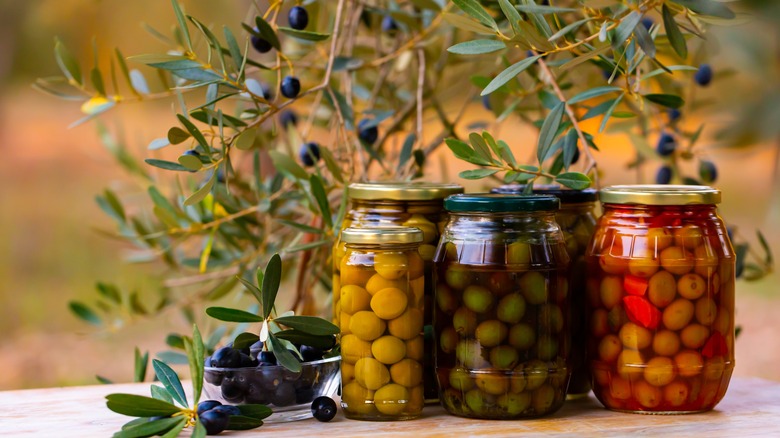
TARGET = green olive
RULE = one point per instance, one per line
(659, 238)
(694, 335)
(521, 336)
(519, 253)
(460, 379)
(464, 321)
(546, 347)
(514, 404)
(491, 333)
(504, 357)
(666, 342)
(691, 286)
(662, 289)
(689, 236)
(452, 400)
(536, 373)
(448, 340)
(533, 286)
(468, 353)
(551, 316)
(660, 371)
(611, 291)
(635, 337)
(430, 233)
(647, 395)
(511, 308)
(706, 310)
(392, 266)
(493, 384)
(543, 399)
(643, 263)
(501, 283)
(677, 260)
(475, 401)
(609, 348)
(477, 298)
(457, 276)
(678, 314)
(446, 299)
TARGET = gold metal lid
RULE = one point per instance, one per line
(382, 235)
(403, 191)
(659, 194)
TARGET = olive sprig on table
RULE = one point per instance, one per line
(167, 411)
(279, 333)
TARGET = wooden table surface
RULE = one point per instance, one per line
(751, 408)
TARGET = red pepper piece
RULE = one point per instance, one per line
(642, 312)
(634, 285)
(715, 346)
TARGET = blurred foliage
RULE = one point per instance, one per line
(383, 84)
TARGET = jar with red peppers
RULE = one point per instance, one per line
(409, 204)
(661, 300)
(577, 218)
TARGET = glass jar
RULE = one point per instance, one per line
(501, 305)
(413, 204)
(577, 218)
(661, 300)
(381, 335)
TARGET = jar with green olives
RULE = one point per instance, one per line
(577, 218)
(501, 308)
(661, 300)
(412, 204)
(382, 285)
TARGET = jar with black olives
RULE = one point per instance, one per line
(411, 204)
(501, 307)
(661, 298)
(577, 218)
(381, 336)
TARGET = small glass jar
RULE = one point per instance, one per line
(577, 218)
(382, 326)
(661, 300)
(411, 204)
(501, 307)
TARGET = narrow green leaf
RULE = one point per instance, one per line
(574, 180)
(199, 431)
(185, 31)
(626, 28)
(406, 150)
(673, 33)
(427, 4)
(244, 340)
(232, 315)
(477, 47)
(256, 411)
(190, 162)
(506, 153)
(543, 9)
(271, 281)
(549, 131)
(299, 337)
(331, 164)
(194, 131)
(467, 24)
(171, 381)
(174, 432)
(609, 112)
(196, 354)
(267, 32)
(460, 149)
(569, 148)
(84, 313)
(177, 135)
(283, 355)
(160, 393)
(304, 35)
(581, 59)
(318, 191)
(645, 41)
(139, 405)
(768, 257)
(252, 288)
(235, 50)
(511, 14)
(302, 227)
(97, 81)
(477, 173)
(246, 139)
(151, 428)
(510, 73)
(476, 11)
(110, 292)
(141, 363)
(591, 93)
(202, 192)
(288, 166)
(480, 147)
(707, 7)
(166, 62)
(309, 324)
(240, 422)
(67, 63)
(306, 246)
(571, 27)
(667, 100)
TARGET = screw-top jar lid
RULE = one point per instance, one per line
(403, 191)
(498, 203)
(659, 194)
(567, 196)
(382, 235)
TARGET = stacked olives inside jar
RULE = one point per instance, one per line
(661, 298)
(577, 218)
(382, 284)
(410, 204)
(501, 305)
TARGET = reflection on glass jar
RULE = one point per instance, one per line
(577, 218)
(382, 323)
(411, 204)
(661, 299)
(501, 309)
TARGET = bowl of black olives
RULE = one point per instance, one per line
(233, 376)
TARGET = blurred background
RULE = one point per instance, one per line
(51, 250)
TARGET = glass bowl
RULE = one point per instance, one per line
(289, 394)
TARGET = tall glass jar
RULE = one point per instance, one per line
(413, 204)
(661, 298)
(501, 307)
(577, 218)
(381, 336)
